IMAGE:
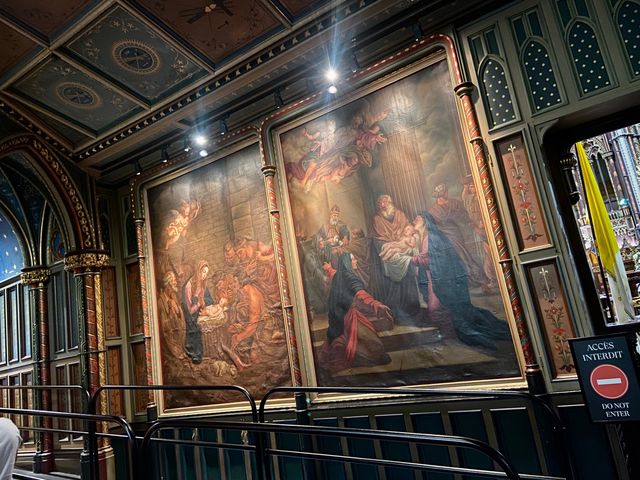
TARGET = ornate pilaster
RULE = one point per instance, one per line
(86, 267)
(36, 279)
(142, 265)
(269, 172)
(532, 369)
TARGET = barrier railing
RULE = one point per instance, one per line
(88, 419)
(259, 443)
(558, 425)
(508, 471)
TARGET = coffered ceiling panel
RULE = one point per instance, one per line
(122, 47)
(45, 17)
(218, 29)
(61, 89)
(298, 7)
(14, 47)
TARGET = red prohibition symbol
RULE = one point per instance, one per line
(609, 381)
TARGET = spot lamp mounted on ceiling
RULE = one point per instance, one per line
(165, 155)
(224, 129)
(185, 145)
(418, 33)
(137, 167)
(277, 98)
(332, 75)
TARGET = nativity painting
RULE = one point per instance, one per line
(400, 286)
(219, 316)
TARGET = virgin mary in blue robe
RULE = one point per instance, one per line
(441, 270)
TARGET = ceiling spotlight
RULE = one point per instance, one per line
(185, 145)
(223, 126)
(200, 140)
(203, 153)
(138, 168)
(277, 99)
(332, 89)
(355, 65)
(331, 75)
(165, 155)
(417, 31)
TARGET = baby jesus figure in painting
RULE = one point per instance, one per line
(396, 256)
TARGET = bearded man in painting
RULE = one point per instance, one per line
(401, 296)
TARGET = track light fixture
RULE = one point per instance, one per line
(355, 65)
(165, 155)
(277, 98)
(224, 129)
(138, 168)
(416, 28)
(185, 145)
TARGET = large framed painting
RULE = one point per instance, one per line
(217, 315)
(393, 264)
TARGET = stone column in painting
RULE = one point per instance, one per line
(36, 279)
(86, 267)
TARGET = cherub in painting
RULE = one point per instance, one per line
(180, 220)
(335, 152)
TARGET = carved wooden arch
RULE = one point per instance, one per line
(61, 184)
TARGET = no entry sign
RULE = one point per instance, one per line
(608, 377)
(609, 381)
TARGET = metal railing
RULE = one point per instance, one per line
(259, 442)
(264, 467)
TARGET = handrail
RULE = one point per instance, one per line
(89, 418)
(420, 438)
(78, 388)
(558, 424)
(417, 392)
(236, 388)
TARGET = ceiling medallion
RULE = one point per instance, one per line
(136, 56)
(78, 95)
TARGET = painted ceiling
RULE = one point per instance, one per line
(107, 81)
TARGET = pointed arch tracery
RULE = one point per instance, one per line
(72, 210)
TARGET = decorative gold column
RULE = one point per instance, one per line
(36, 279)
(86, 267)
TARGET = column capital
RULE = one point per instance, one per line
(86, 261)
(34, 275)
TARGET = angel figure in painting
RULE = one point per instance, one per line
(336, 152)
(180, 220)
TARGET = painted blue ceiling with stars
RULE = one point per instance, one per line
(11, 256)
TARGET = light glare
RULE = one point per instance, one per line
(331, 75)
(200, 140)
(203, 153)
(332, 89)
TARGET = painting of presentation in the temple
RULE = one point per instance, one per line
(399, 283)
(219, 314)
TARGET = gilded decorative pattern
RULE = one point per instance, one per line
(85, 261)
(523, 197)
(35, 276)
(145, 308)
(82, 225)
(552, 306)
